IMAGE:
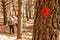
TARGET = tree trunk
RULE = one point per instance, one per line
(13, 7)
(27, 13)
(29, 8)
(19, 20)
(45, 27)
(4, 11)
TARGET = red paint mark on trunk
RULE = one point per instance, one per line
(45, 11)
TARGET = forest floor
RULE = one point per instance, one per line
(26, 32)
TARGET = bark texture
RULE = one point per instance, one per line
(45, 28)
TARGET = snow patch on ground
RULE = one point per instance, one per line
(4, 37)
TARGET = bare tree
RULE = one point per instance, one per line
(4, 11)
(29, 8)
(19, 20)
(27, 12)
(13, 7)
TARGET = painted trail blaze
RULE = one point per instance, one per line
(45, 11)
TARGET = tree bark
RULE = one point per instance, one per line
(45, 27)
(19, 20)
(4, 11)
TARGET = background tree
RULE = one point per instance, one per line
(4, 11)
(29, 9)
(27, 13)
(13, 7)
